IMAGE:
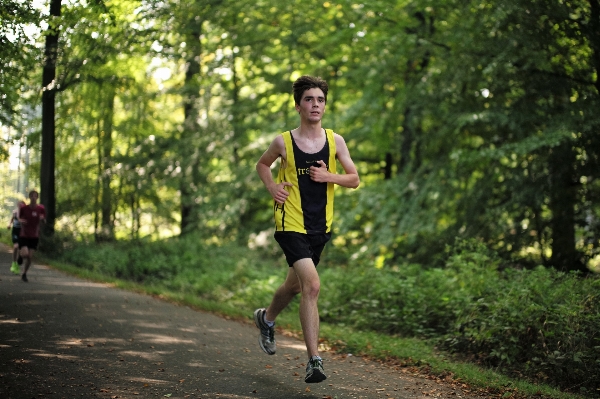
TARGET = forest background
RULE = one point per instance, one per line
(474, 126)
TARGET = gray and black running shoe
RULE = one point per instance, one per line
(266, 338)
(314, 371)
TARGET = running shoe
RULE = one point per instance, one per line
(15, 268)
(314, 371)
(266, 338)
(24, 277)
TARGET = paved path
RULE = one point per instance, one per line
(63, 337)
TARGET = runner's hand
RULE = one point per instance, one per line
(319, 173)
(279, 193)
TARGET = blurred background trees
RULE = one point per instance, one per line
(471, 119)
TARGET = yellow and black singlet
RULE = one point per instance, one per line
(309, 207)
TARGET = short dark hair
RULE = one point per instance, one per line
(306, 82)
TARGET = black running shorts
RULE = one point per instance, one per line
(31, 243)
(298, 246)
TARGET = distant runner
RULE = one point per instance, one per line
(15, 227)
(30, 217)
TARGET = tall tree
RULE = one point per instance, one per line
(106, 166)
(49, 89)
(192, 31)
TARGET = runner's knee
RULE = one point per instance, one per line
(311, 288)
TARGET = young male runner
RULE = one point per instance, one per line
(303, 206)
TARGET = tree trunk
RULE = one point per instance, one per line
(191, 92)
(563, 197)
(407, 141)
(98, 179)
(48, 161)
(235, 115)
(107, 165)
(387, 170)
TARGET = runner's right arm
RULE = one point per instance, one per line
(263, 167)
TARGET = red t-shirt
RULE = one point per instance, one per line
(31, 229)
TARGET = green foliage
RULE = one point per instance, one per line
(456, 114)
(540, 322)
(537, 319)
(18, 56)
(187, 265)
(407, 299)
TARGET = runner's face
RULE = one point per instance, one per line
(312, 105)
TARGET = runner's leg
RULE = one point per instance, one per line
(26, 254)
(310, 285)
(284, 295)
